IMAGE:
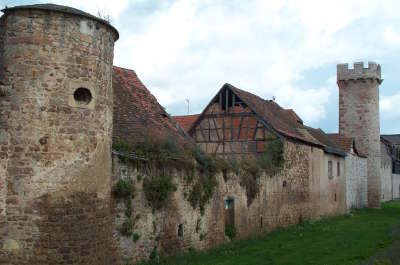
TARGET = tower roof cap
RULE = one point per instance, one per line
(62, 9)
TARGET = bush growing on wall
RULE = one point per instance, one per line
(124, 188)
(157, 190)
(202, 191)
(166, 153)
(271, 161)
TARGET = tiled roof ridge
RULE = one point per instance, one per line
(137, 113)
(286, 123)
(186, 121)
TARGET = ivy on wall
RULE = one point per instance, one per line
(200, 168)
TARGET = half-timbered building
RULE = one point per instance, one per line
(237, 122)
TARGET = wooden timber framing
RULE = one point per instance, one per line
(236, 121)
(228, 126)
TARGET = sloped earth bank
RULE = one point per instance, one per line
(361, 237)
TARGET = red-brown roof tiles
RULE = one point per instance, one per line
(186, 121)
(281, 121)
(137, 114)
(294, 115)
(344, 142)
(277, 117)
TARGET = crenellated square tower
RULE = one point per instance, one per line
(359, 117)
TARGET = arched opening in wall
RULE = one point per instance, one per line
(82, 96)
(229, 205)
(284, 184)
(261, 221)
(335, 196)
(180, 230)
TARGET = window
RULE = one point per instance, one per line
(338, 169)
(228, 204)
(180, 230)
(82, 96)
(330, 170)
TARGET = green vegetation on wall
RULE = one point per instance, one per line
(200, 169)
(124, 189)
(271, 161)
(157, 189)
(202, 191)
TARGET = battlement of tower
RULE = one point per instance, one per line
(373, 71)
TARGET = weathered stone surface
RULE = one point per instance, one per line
(55, 157)
(308, 193)
(359, 118)
(356, 181)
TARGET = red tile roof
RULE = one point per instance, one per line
(283, 122)
(344, 142)
(294, 115)
(186, 121)
(137, 114)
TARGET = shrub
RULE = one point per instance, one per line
(205, 162)
(121, 145)
(135, 237)
(124, 188)
(272, 159)
(202, 191)
(249, 177)
(230, 231)
(157, 190)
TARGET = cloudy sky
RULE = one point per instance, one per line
(184, 49)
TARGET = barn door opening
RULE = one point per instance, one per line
(230, 217)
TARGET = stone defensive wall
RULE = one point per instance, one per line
(55, 136)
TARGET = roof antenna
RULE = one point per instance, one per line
(188, 105)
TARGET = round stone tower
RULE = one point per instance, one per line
(55, 136)
(359, 117)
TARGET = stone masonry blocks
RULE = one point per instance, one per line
(359, 118)
(55, 157)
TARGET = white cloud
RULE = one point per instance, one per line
(391, 36)
(105, 7)
(389, 106)
(189, 49)
(308, 103)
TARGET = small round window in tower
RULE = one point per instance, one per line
(82, 96)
